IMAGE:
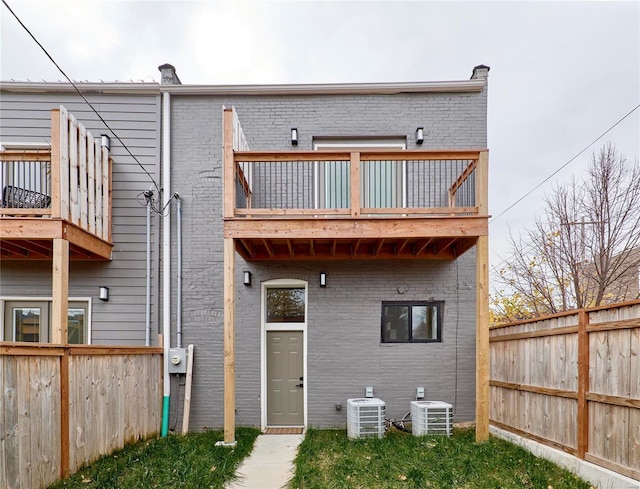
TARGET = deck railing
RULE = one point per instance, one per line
(341, 183)
(70, 180)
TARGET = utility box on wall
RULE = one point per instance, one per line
(177, 360)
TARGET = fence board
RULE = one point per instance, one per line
(535, 377)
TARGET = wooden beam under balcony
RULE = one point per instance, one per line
(323, 228)
(35, 237)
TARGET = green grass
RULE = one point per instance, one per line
(328, 460)
(189, 462)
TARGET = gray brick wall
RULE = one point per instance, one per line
(344, 350)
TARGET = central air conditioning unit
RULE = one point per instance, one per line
(431, 418)
(365, 418)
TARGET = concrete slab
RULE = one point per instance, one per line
(270, 464)
(598, 476)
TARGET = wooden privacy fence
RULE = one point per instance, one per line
(63, 407)
(572, 381)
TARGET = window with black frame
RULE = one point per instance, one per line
(412, 322)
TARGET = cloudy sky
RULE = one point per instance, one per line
(562, 73)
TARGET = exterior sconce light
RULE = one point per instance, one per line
(106, 141)
(247, 278)
(294, 136)
(323, 279)
(420, 135)
(104, 293)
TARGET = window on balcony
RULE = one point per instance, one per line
(30, 321)
(412, 322)
(383, 182)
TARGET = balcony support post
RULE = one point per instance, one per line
(60, 287)
(482, 305)
(229, 343)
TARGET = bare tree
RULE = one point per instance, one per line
(583, 250)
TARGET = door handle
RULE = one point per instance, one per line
(299, 385)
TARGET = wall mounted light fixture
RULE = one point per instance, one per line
(106, 141)
(323, 279)
(247, 278)
(420, 135)
(104, 293)
(294, 136)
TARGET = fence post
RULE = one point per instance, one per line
(64, 413)
(583, 383)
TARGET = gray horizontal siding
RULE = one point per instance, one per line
(136, 119)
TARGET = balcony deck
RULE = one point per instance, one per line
(39, 204)
(336, 205)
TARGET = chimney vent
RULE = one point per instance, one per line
(168, 75)
(480, 72)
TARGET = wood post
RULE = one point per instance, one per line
(64, 414)
(583, 384)
(229, 342)
(60, 287)
(482, 304)
(229, 173)
(355, 178)
(55, 163)
(187, 391)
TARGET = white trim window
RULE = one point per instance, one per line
(29, 320)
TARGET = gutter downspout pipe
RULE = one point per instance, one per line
(147, 339)
(166, 256)
(179, 286)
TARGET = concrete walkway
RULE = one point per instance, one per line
(270, 464)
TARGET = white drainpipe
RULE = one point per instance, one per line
(166, 254)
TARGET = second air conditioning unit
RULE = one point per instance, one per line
(431, 418)
(365, 418)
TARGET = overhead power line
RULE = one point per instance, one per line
(115, 135)
(563, 166)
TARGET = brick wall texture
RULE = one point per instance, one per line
(343, 324)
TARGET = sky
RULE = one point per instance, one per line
(562, 73)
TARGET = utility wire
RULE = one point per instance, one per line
(563, 166)
(84, 98)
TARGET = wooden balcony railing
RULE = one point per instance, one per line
(354, 184)
(71, 180)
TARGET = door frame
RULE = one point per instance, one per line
(264, 327)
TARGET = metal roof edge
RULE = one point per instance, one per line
(475, 85)
(64, 87)
(459, 86)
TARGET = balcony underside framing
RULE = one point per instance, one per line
(31, 238)
(412, 238)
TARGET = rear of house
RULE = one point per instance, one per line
(316, 240)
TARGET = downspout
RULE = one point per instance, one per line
(179, 287)
(166, 256)
(147, 339)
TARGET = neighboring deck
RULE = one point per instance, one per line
(58, 192)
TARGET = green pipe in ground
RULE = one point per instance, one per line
(165, 416)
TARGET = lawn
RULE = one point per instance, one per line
(189, 462)
(328, 460)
